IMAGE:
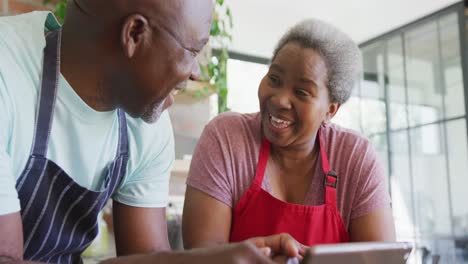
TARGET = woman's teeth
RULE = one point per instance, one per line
(279, 123)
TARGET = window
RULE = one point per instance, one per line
(244, 79)
(413, 106)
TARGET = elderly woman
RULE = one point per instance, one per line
(288, 169)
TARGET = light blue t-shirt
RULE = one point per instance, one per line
(82, 141)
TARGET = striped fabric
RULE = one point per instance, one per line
(59, 216)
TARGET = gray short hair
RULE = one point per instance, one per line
(340, 53)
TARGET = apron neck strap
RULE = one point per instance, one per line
(262, 162)
(123, 136)
(48, 93)
(323, 154)
(331, 178)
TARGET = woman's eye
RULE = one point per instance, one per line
(273, 79)
(301, 92)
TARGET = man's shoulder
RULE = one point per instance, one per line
(21, 45)
(150, 139)
(22, 31)
(151, 154)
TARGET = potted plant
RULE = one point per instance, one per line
(220, 38)
(208, 96)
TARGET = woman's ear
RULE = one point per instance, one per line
(135, 31)
(332, 110)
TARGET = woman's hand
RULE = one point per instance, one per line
(285, 260)
(281, 244)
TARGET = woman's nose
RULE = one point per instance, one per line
(282, 100)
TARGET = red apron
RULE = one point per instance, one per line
(258, 213)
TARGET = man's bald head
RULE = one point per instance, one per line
(150, 45)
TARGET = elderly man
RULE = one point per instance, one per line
(67, 145)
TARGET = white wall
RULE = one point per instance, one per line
(258, 24)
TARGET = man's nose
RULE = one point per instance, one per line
(196, 72)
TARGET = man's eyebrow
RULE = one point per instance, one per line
(198, 46)
(174, 36)
(201, 43)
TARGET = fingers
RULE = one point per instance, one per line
(256, 255)
(266, 251)
(289, 246)
(302, 249)
(280, 244)
(280, 259)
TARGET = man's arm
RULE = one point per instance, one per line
(256, 250)
(139, 230)
(11, 227)
(239, 253)
(11, 238)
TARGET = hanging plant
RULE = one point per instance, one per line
(221, 37)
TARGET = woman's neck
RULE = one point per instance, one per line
(294, 158)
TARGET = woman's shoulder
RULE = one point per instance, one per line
(336, 134)
(234, 118)
(348, 147)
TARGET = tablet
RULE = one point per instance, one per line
(359, 253)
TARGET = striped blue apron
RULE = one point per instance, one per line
(60, 216)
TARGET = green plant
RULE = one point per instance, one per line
(220, 38)
(216, 70)
(58, 7)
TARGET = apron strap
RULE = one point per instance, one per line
(123, 135)
(262, 162)
(48, 93)
(331, 178)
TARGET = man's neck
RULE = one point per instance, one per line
(81, 68)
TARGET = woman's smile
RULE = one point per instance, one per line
(278, 124)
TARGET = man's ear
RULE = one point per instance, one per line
(332, 110)
(135, 30)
